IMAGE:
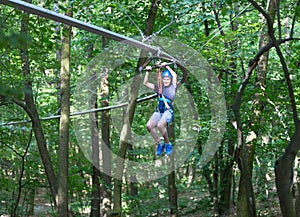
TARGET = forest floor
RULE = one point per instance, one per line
(193, 201)
(190, 205)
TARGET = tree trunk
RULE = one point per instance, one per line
(32, 112)
(223, 167)
(171, 177)
(284, 165)
(284, 173)
(105, 131)
(227, 159)
(30, 202)
(125, 133)
(95, 204)
(20, 184)
(297, 201)
(246, 203)
(246, 197)
(226, 170)
(63, 159)
(95, 201)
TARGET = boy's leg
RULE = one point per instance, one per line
(151, 124)
(161, 125)
(163, 122)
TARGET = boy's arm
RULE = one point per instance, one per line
(173, 74)
(146, 80)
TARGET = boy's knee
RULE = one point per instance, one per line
(149, 127)
(160, 125)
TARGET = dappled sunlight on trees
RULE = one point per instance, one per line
(236, 127)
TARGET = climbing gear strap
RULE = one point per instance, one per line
(159, 80)
(165, 101)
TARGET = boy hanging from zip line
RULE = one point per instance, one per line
(166, 89)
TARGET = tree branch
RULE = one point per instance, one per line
(268, 47)
(22, 173)
(289, 85)
(268, 19)
(294, 20)
(278, 19)
(275, 43)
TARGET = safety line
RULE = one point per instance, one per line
(42, 12)
(82, 112)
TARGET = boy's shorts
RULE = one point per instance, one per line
(167, 116)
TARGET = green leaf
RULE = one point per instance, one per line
(3, 40)
(224, 11)
(297, 12)
(10, 92)
(229, 2)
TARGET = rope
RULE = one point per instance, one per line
(82, 112)
(134, 23)
(159, 80)
(171, 23)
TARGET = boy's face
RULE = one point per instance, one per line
(166, 81)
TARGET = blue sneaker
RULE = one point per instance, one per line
(160, 149)
(169, 148)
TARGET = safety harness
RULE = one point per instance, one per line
(161, 97)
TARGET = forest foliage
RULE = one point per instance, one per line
(261, 103)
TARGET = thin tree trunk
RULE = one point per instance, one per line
(63, 159)
(227, 159)
(223, 167)
(226, 168)
(283, 172)
(95, 203)
(22, 170)
(30, 202)
(245, 207)
(105, 131)
(248, 150)
(106, 156)
(297, 201)
(172, 177)
(283, 166)
(96, 194)
(125, 133)
(31, 110)
(246, 200)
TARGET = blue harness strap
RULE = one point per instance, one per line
(164, 104)
(165, 99)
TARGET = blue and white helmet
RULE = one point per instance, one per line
(166, 73)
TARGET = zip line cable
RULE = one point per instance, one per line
(152, 96)
(42, 12)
